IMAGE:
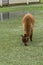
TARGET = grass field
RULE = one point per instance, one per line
(12, 50)
(41, 1)
(22, 8)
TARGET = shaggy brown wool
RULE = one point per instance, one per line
(28, 24)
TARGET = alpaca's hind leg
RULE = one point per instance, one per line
(31, 35)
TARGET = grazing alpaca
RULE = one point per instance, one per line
(28, 24)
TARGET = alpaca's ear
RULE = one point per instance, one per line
(25, 35)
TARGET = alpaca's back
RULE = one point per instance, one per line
(28, 23)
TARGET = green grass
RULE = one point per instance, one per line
(12, 50)
(22, 8)
(41, 1)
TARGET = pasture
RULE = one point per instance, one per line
(41, 1)
(12, 50)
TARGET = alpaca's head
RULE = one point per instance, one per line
(24, 39)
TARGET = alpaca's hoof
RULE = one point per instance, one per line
(26, 44)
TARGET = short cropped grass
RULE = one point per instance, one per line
(41, 1)
(22, 8)
(12, 50)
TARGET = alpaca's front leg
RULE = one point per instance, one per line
(31, 35)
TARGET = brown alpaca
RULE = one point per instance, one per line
(28, 24)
